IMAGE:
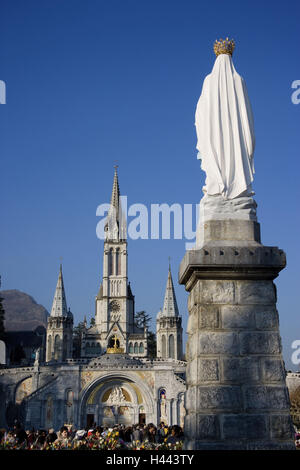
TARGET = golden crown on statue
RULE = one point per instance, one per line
(224, 46)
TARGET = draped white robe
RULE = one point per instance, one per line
(225, 132)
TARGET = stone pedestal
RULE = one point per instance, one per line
(236, 392)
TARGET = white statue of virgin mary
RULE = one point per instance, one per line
(225, 129)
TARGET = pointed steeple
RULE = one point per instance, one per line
(115, 195)
(59, 306)
(115, 226)
(112, 223)
(168, 325)
(170, 308)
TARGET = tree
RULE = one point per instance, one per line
(142, 320)
(77, 338)
(151, 345)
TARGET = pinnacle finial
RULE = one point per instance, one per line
(115, 191)
(59, 305)
(170, 307)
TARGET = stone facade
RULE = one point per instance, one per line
(113, 381)
(75, 392)
(236, 395)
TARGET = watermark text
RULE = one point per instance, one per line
(2, 92)
(296, 94)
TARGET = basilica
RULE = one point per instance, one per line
(114, 381)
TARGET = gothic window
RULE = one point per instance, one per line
(110, 262)
(141, 348)
(130, 348)
(136, 348)
(49, 351)
(118, 262)
(171, 347)
(57, 345)
(163, 346)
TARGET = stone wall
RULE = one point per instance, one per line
(236, 395)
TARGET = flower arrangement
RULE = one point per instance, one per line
(146, 445)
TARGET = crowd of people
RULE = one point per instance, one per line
(135, 437)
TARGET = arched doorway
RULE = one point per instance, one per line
(117, 399)
(117, 404)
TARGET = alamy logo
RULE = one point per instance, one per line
(158, 221)
(296, 354)
(296, 94)
(2, 92)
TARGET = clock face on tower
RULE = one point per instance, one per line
(114, 306)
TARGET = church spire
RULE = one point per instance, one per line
(170, 308)
(115, 195)
(115, 226)
(168, 325)
(59, 306)
(60, 326)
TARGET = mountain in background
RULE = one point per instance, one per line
(22, 313)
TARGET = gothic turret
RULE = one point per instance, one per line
(168, 325)
(60, 326)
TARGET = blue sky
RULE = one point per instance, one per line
(93, 82)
